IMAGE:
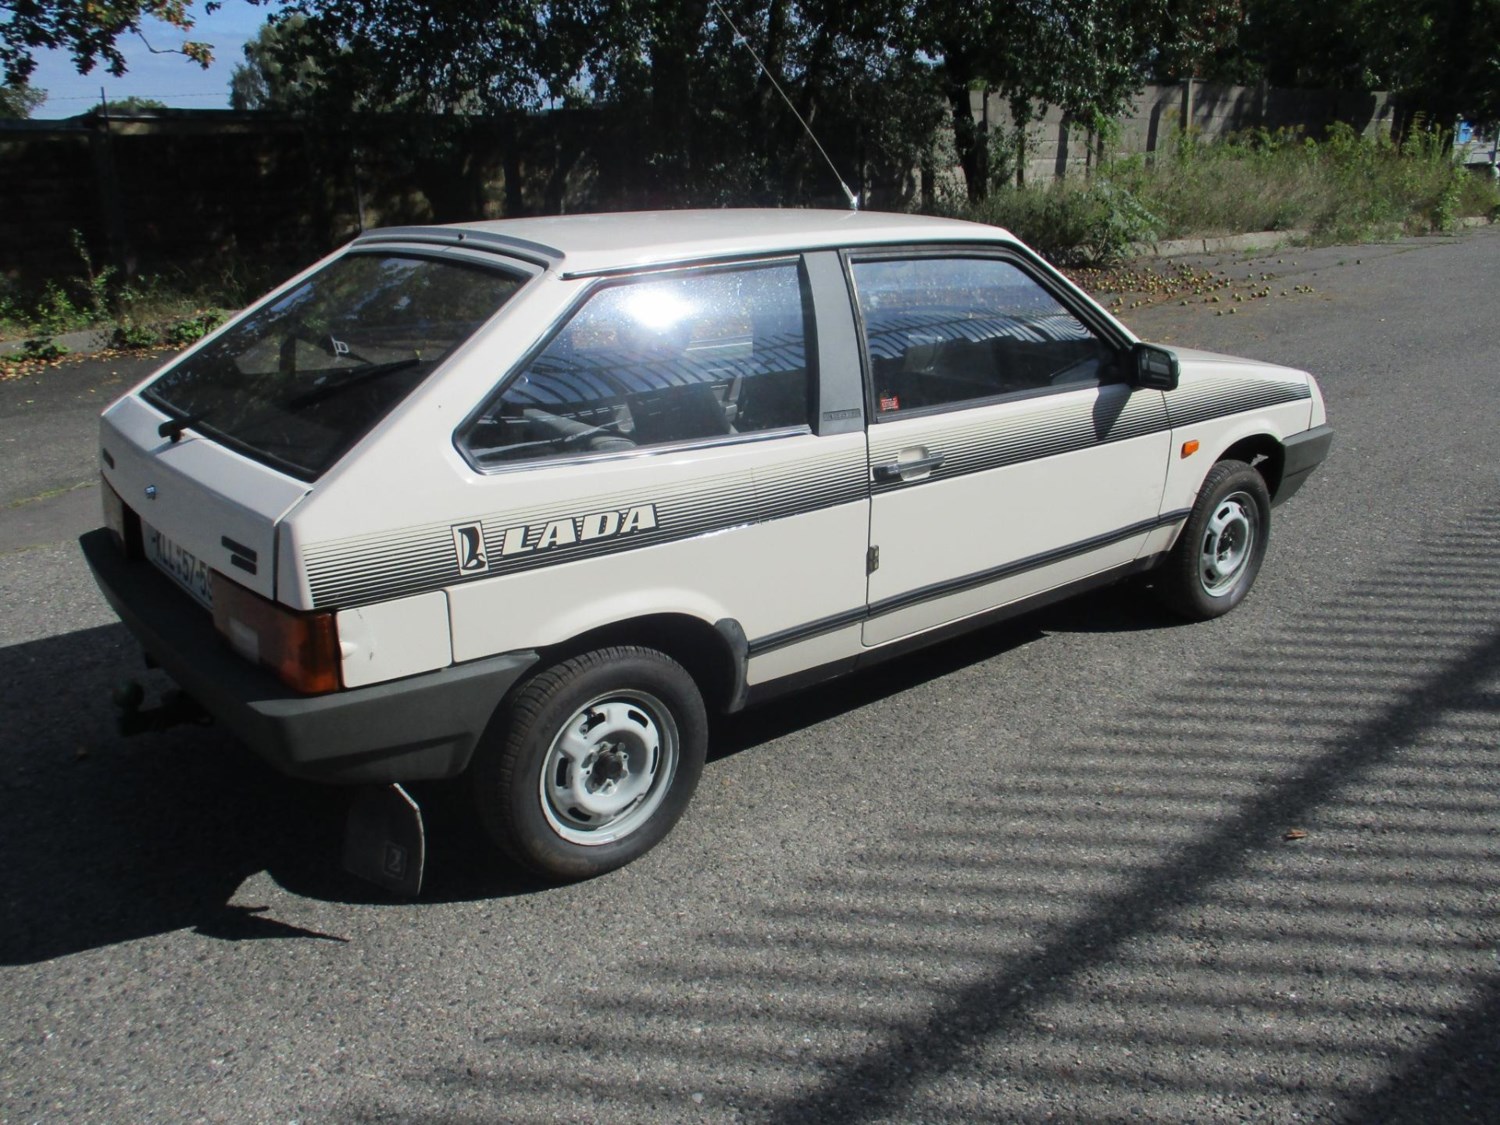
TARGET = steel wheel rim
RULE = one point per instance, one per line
(609, 768)
(1228, 544)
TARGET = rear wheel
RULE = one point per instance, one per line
(595, 762)
(1218, 554)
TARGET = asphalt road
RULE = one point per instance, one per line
(1091, 865)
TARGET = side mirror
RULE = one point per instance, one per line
(1154, 367)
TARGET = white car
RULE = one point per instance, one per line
(521, 501)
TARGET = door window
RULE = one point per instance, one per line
(658, 360)
(942, 331)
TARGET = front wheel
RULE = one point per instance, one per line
(595, 761)
(1218, 554)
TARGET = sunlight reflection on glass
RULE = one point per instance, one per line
(657, 309)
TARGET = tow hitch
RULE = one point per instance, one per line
(176, 707)
(385, 840)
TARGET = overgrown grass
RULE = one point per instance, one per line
(1347, 188)
(158, 309)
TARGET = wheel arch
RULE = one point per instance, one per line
(715, 656)
(1263, 453)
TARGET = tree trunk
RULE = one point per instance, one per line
(971, 139)
(675, 30)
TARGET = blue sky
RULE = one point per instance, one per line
(172, 79)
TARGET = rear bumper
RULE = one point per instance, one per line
(420, 727)
(1304, 453)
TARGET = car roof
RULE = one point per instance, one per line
(579, 245)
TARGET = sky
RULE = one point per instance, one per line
(173, 79)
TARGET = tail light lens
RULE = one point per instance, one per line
(301, 648)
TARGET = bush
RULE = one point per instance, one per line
(1069, 222)
(149, 311)
(42, 348)
(1347, 188)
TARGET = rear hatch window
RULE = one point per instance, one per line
(312, 370)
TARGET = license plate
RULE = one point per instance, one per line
(181, 565)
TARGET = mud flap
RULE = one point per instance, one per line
(384, 840)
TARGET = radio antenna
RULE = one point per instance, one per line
(739, 38)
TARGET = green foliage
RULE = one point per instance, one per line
(90, 33)
(1349, 188)
(133, 104)
(128, 334)
(281, 71)
(1439, 54)
(148, 312)
(1479, 195)
(20, 100)
(175, 332)
(1071, 222)
(191, 329)
(41, 348)
(1086, 57)
(93, 284)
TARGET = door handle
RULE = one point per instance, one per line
(905, 470)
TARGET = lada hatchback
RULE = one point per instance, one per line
(521, 502)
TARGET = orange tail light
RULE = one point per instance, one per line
(301, 648)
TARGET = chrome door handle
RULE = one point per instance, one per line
(901, 470)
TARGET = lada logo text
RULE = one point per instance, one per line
(576, 529)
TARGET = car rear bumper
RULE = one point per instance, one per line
(420, 727)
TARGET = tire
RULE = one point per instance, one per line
(593, 762)
(1218, 555)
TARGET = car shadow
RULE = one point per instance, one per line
(111, 839)
(731, 734)
(116, 838)
(1129, 607)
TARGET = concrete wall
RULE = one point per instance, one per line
(1059, 147)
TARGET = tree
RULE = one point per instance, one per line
(1086, 56)
(280, 71)
(691, 106)
(713, 123)
(1442, 56)
(20, 101)
(431, 56)
(132, 104)
(684, 100)
(89, 31)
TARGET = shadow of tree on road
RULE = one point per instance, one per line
(1268, 892)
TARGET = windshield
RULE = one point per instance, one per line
(311, 371)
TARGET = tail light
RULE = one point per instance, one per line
(301, 648)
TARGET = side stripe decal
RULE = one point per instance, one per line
(366, 569)
(958, 585)
(1116, 414)
(1217, 398)
(980, 446)
(372, 568)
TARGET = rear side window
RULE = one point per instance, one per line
(658, 360)
(943, 331)
(311, 371)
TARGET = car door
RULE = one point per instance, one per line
(1008, 455)
(658, 453)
